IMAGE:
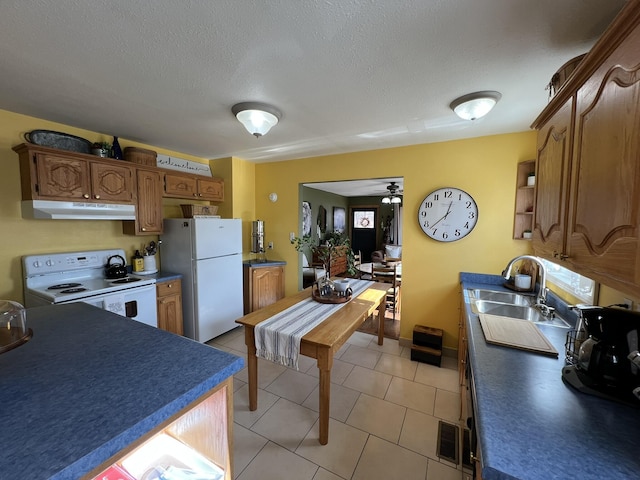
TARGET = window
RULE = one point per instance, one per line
(583, 288)
(364, 219)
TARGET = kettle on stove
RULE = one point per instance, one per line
(117, 269)
(608, 361)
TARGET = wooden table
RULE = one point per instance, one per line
(320, 343)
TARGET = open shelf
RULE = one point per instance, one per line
(525, 200)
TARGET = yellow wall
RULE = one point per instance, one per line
(240, 200)
(484, 167)
(27, 237)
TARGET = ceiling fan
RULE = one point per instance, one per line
(393, 196)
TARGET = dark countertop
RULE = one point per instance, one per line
(89, 383)
(531, 425)
(266, 263)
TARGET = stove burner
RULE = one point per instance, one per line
(62, 286)
(126, 280)
(74, 290)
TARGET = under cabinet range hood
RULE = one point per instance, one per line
(61, 210)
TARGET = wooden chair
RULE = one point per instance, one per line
(357, 262)
(388, 274)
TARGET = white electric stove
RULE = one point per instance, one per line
(57, 278)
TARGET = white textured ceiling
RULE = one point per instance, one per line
(348, 75)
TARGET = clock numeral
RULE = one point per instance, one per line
(468, 204)
(448, 194)
(445, 235)
(472, 215)
(426, 224)
(457, 232)
(434, 231)
(466, 225)
(429, 204)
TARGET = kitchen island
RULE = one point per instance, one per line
(530, 425)
(91, 385)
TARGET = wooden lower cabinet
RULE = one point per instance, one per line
(199, 437)
(170, 306)
(263, 285)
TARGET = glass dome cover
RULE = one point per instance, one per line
(13, 325)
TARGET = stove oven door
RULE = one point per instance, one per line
(137, 303)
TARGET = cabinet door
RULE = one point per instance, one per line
(604, 224)
(552, 183)
(211, 189)
(111, 182)
(267, 286)
(170, 306)
(149, 207)
(62, 178)
(180, 186)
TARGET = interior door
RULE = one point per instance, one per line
(364, 221)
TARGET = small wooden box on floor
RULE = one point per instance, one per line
(427, 345)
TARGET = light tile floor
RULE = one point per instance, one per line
(385, 410)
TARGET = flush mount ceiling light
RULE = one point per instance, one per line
(257, 118)
(393, 197)
(475, 105)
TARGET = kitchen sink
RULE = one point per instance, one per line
(522, 312)
(511, 298)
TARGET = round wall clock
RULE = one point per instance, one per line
(448, 214)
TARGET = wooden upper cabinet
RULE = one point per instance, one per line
(149, 207)
(111, 182)
(194, 187)
(588, 180)
(604, 225)
(552, 183)
(51, 174)
(179, 186)
(211, 189)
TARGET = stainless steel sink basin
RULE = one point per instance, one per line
(511, 298)
(521, 312)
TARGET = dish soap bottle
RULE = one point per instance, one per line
(138, 262)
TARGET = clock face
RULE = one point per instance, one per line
(448, 214)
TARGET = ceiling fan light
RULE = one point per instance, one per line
(257, 118)
(396, 200)
(386, 200)
(475, 105)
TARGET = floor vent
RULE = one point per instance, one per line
(448, 442)
(466, 449)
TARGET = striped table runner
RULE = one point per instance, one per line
(278, 338)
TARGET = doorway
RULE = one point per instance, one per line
(363, 221)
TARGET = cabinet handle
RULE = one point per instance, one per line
(563, 256)
(97, 197)
(86, 195)
(169, 285)
(195, 194)
(143, 229)
(473, 457)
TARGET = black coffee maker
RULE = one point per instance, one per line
(608, 359)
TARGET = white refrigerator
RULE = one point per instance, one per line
(208, 253)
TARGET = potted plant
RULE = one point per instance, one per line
(526, 234)
(102, 149)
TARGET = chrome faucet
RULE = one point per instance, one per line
(542, 292)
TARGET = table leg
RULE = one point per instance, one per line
(252, 367)
(325, 361)
(381, 312)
